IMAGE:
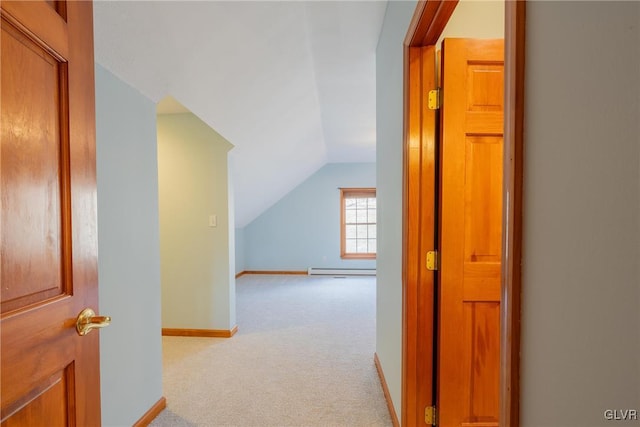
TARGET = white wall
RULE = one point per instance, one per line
(389, 122)
(302, 229)
(129, 261)
(581, 283)
(198, 283)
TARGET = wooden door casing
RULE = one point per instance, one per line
(48, 249)
(419, 231)
(470, 232)
(429, 19)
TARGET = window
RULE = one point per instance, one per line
(358, 223)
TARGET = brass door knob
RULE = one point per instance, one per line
(88, 321)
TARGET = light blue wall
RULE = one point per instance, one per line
(129, 254)
(302, 230)
(240, 251)
(389, 123)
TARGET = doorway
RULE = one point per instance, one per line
(420, 195)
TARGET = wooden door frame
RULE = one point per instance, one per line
(419, 193)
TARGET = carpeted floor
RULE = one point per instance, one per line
(303, 356)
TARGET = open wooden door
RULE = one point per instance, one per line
(48, 252)
(470, 233)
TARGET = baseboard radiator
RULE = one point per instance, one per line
(315, 271)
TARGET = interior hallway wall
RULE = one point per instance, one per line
(241, 264)
(231, 249)
(581, 282)
(129, 254)
(389, 123)
(198, 284)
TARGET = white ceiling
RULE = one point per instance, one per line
(290, 84)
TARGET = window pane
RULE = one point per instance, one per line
(371, 216)
(359, 221)
(350, 216)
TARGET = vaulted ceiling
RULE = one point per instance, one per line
(290, 84)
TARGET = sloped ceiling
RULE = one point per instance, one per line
(290, 84)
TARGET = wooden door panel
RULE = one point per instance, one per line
(481, 363)
(485, 86)
(471, 232)
(48, 247)
(42, 22)
(483, 199)
(60, 6)
(28, 352)
(50, 401)
(34, 173)
(484, 123)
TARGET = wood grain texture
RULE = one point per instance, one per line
(34, 171)
(471, 232)
(82, 156)
(152, 413)
(428, 22)
(385, 390)
(210, 333)
(419, 195)
(42, 23)
(481, 321)
(50, 403)
(515, 18)
(514, 144)
(48, 134)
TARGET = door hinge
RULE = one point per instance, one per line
(430, 416)
(433, 260)
(434, 99)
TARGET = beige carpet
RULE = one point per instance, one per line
(303, 356)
